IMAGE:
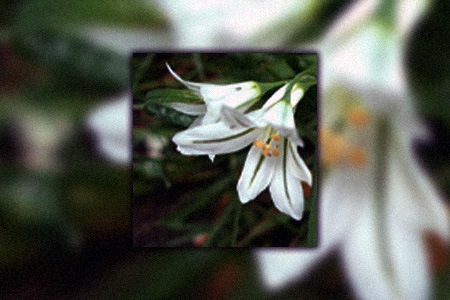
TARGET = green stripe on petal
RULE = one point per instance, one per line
(224, 139)
(298, 167)
(214, 139)
(283, 170)
(285, 189)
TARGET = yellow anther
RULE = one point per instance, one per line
(357, 156)
(267, 147)
(276, 137)
(258, 144)
(265, 152)
(358, 116)
(275, 152)
(332, 147)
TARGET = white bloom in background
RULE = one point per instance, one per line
(111, 123)
(222, 24)
(273, 159)
(376, 202)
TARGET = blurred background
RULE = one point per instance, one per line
(65, 202)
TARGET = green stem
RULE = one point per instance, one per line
(383, 138)
(199, 66)
(386, 13)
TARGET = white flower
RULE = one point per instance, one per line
(273, 159)
(237, 95)
(376, 202)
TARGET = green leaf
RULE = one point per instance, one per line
(167, 96)
(201, 199)
(69, 13)
(167, 114)
(74, 61)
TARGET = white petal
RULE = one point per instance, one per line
(189, 109)
(281, 117)
(285, 189)
(414, 199)
(281, 267)
(275, 97)
(256, 175)
(111, 122)
(296, 165)
(193, 86)
(234, 95)
(338, 202)
(297, 94)
(409, 261)
(234, 118)
(385, 259)
(214, 139)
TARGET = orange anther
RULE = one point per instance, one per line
(357, 156)
(332, 147)
(258, 144)
(276, 137)
(266, 152)
(275, 152)
(357, 116)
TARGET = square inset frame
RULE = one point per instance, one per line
(225, 149)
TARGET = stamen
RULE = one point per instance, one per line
(357, 156)
(267, 147)
(333, 146)
(258, 144)
(357, 116)
(276, 137)
(266, 152)
(275, 152)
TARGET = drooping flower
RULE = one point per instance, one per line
(240, 96)
(376, 201)
(273, 159)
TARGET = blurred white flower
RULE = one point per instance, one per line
(273, 159)
(111, 124)
(376, 202)
(222, 24)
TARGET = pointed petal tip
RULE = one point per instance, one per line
(243, 196)
(175, 74)
(296, 217)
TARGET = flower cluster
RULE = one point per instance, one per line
(227, 124)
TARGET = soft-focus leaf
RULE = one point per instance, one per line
(54, 13)
(166, 96)
(429, 64)
(168, 115)
(201, 199)
(74, 61)
(181, 274)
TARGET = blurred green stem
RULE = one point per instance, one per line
(237, 216)
(199, 66)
